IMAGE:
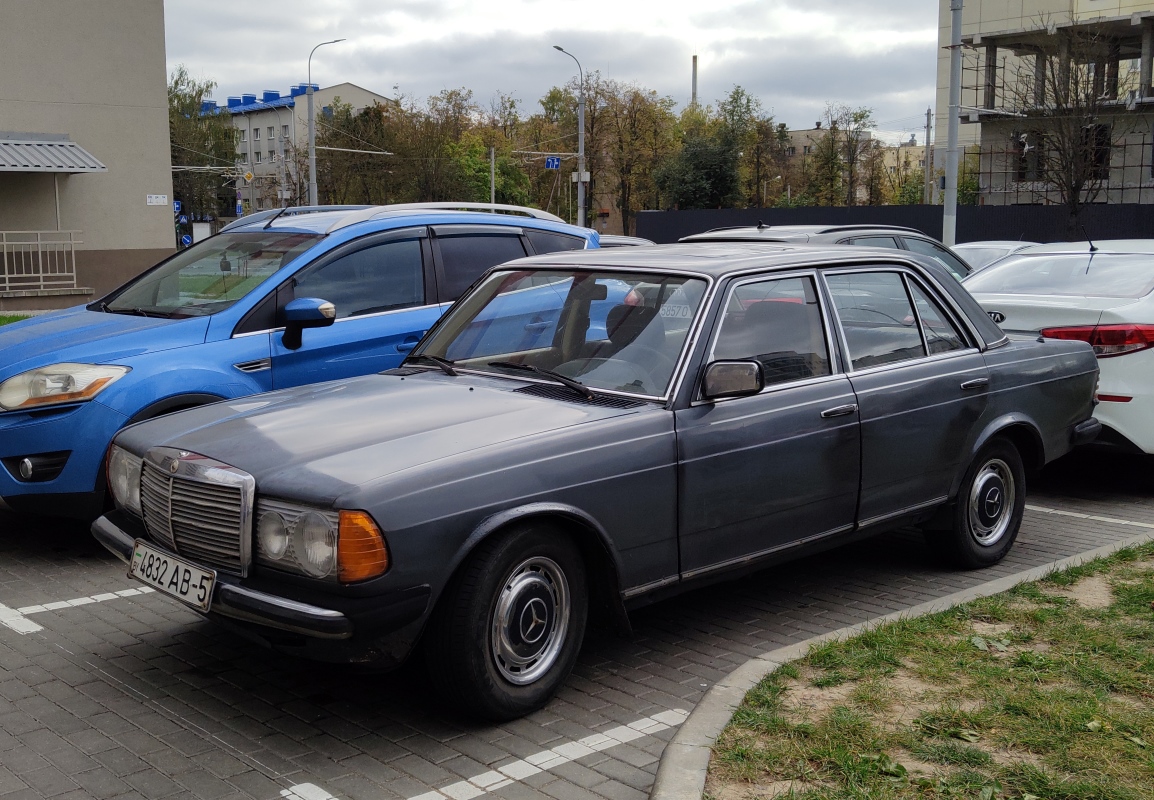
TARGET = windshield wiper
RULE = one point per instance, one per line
(576, 386)
(445, 364)
(140, 312)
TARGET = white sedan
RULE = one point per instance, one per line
(1099, 293)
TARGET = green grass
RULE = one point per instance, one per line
(1028, 694)
(4, 320)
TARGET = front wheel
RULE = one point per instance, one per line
(508, 628)
(988, 510)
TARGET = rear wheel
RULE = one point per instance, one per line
(988, 510)
(508, 628)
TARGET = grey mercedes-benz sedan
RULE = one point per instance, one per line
(585, 432)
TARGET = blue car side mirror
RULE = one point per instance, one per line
(306, 312)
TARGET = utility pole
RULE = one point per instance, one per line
(950, 212)
(313, 127)
(580, 138)
(928, 160)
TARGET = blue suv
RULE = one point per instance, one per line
(227, 318)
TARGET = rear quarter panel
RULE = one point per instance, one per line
(1048, 385)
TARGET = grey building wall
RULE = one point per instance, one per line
(96, 72)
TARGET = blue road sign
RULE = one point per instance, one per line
(186, 240)
(553, 162)
(239, 208)
(183, 219)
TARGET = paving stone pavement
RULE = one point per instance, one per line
(113, 696)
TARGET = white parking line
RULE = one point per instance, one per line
(1094, 517)
(17, 618)
(519, 769)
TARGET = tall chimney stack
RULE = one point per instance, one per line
(693, 101)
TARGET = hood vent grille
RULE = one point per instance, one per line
(569, 396)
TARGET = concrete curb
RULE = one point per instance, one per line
(685, 761)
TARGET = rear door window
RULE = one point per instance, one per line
(876, 241)
(876, 317)
(552, 241)
(464, 256)
(941, 334)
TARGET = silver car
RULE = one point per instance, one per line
(587, 432)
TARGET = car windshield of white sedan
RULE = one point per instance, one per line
(210, 276)
(1068, 275)
(614, 331)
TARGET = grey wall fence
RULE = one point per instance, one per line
(975, 223)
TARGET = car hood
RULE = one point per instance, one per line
(316, 442)
(80, 335)
(1033, 312)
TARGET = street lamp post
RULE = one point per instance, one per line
(580, 138)
(313, 127)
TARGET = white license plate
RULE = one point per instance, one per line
(173, 576)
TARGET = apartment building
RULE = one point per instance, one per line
(85, 178)
(272, 143)
(1035, 69)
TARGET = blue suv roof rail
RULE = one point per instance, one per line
(292, 211)
(373, 212)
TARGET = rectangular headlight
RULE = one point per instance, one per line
(124, 478)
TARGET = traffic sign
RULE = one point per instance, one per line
(175, 206)
(553, 162)
(239, 208)
(185, 240)
(183, 219)
(248, 177)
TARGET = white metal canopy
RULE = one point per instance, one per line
(46, 155)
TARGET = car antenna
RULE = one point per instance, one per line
(1093, 247)
(761, 225)
(272, 219)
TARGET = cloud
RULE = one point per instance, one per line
(793, 55)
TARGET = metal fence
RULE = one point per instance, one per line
(31, 260)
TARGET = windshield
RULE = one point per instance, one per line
(615, 331)
(1069, 275)
(210, 276)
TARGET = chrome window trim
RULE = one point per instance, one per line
(762, 278)
(345, 319)
(687, 347)
(904, 271)
(969, 351)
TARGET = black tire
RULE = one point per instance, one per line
(533, 578)
(987, 512)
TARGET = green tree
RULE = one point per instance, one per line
(204, 142)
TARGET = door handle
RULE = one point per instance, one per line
(407, 345)
(976, 383)
(839, 411)
(536, 327)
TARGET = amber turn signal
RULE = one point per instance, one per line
(361, 550)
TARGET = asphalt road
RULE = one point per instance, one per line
(108, 692)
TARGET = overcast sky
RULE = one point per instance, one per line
(794, 55)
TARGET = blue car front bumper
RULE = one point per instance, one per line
(74, 439)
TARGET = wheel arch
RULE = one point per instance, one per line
(172, 403)
(1022, 432)
(593, 541)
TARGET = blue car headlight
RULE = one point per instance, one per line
(57, 384)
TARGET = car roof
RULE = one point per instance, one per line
(784, 233)
(326, 219)
(717, 259)
(1099, 245)
(995, 243)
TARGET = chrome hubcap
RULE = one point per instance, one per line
(530, 620)
(991, 502)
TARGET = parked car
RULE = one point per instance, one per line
(888, 236)
(617, 240)
(1098, 293)
(224, 318)
(980, 255)
(545, 452)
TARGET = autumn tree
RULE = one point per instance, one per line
(203, 146)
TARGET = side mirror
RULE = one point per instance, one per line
(732, 379)
(306, 312)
